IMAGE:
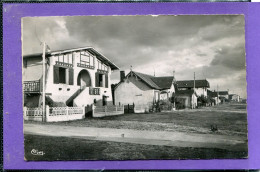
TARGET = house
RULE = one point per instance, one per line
(234, 97)
(200, 86)
(223, 96)
(143, 90)
(213, 96)
(74, 77)
(186, 99)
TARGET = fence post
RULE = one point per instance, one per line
(47, 113)
(105, 110)
(25, 112)
(84, 108)
(67, 112)
(93, 110)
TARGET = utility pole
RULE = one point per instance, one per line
(217, 95)
(43, 81)
(193, 92)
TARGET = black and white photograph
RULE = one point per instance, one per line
(144, 87)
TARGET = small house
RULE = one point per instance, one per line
(234, 97)
(186, 99)
(143, 90)
(201, 86)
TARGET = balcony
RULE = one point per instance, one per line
(32, 86)
(94, 91)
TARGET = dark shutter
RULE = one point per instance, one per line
(55, 74)
(71, 78)
(97, 79)
(106, 80)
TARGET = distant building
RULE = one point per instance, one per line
(142, 89)
(186, 99)
(200, 86)
(223, 96)
(213, 95)
(234, 97)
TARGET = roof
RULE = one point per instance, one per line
(223, 92)
(89, 49)
(190, 84)
(185, 92)
(159, 83)
(212, 93)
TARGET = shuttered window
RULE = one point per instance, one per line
(63, 75)
(55, 74)
(71, 73)
(106, 81)
(97, 79)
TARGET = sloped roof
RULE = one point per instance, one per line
(164, 82)
(212, 93)
(89, 49)
(190, 83)
(159, 83)
(223, 92)
(185, 92)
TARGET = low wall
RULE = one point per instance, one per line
(54, 114)
(107, 111)
(32, 114)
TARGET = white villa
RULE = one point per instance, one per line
(143, 90)
(74, 77)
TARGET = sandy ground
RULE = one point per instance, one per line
(166, 138)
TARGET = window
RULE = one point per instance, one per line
(24, 63)
(86, 58)
(101, 80)
(62, 75)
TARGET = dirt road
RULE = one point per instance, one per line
(166, 138)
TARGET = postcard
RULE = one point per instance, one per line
(119, 89)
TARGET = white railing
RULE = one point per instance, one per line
(107, 110)
(32, 114)
(54, 114)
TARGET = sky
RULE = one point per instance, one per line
(212, 46)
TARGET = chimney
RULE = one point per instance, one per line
(122, 76)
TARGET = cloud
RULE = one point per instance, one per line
(213, 46)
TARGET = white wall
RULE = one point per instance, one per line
(68, 90)
(201, 91)
(128, 93)
(33, 69)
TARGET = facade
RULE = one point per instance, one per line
(142, 89)
(74, 77)
(201, 86)
(214, 97)
(223, 94)
(186, 99)
(234, 97)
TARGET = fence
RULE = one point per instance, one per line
(32, 114)
(107, 111)
(32, 86)
(141, 108)
(54, 114)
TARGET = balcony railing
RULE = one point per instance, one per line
(94, 91)
(85, 66)
(32, 86)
